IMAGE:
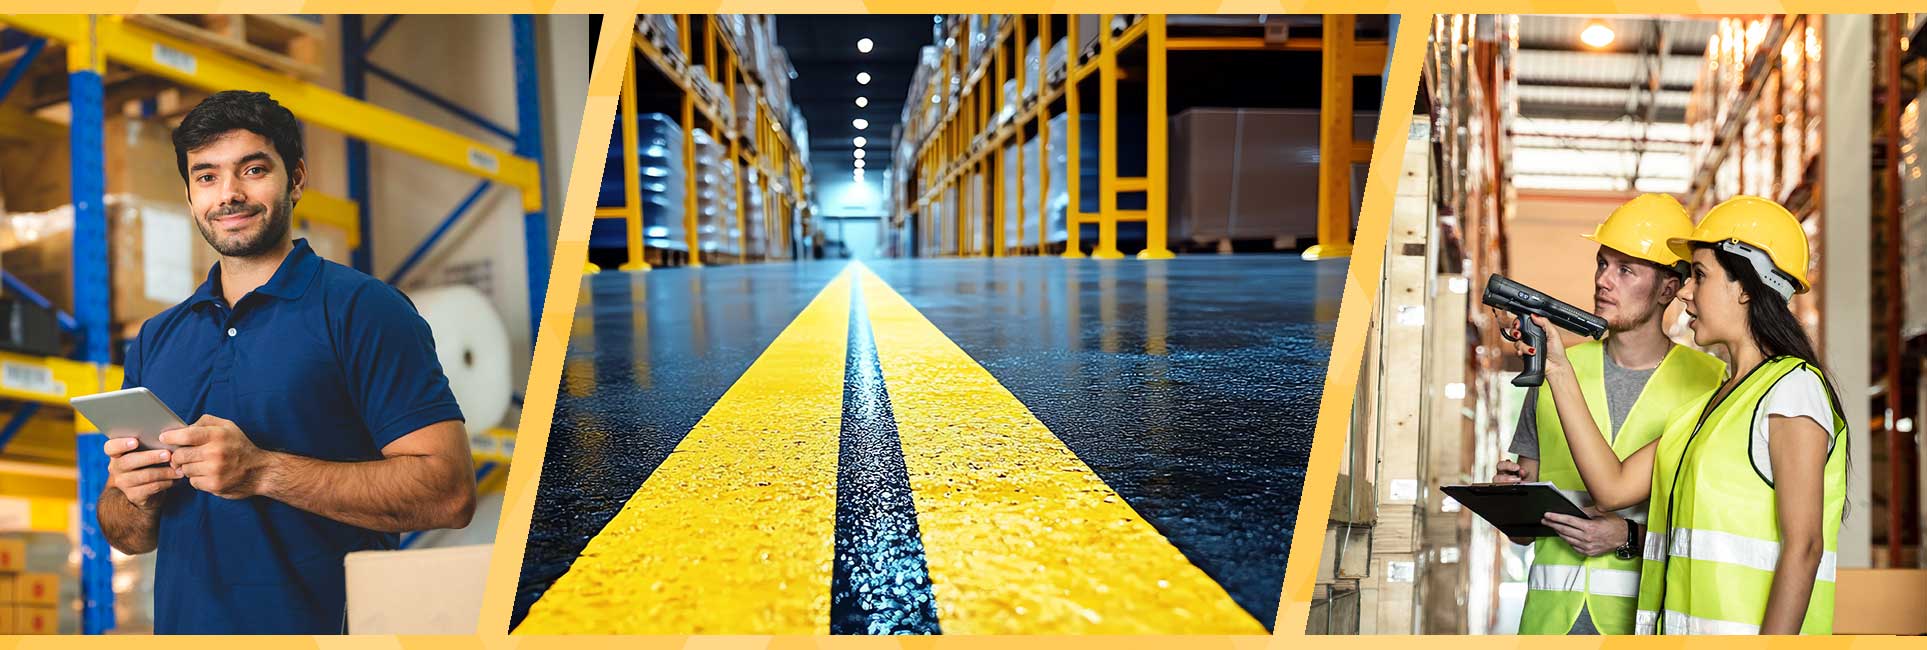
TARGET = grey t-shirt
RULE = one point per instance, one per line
(1623, 387)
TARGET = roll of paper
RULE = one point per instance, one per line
(473, 347)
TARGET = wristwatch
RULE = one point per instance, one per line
(1631, 549)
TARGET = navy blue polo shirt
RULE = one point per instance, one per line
(322, 361)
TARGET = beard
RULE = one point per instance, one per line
(279, 220)
(1624, 319)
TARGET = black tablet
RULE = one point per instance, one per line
(1515, 508)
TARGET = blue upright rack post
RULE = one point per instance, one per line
(528, 144)
(91, 304)
(354, 83)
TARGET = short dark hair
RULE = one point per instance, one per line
(230, 110)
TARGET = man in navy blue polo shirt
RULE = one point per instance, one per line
(321, 421)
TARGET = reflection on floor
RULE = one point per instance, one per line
(966, 446)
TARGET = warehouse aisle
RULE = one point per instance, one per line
(965, 446)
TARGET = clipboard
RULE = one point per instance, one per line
(1515, 508)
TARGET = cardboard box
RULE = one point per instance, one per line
(36, 176)
(156, 257)
(13, 554)
(35, 619)
(1880, 601)
(31, 588)
(424, 591)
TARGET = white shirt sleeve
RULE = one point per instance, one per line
(1798, 394)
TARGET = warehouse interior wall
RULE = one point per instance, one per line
(468, 59)
(565, 94)
(1845, 238)
(1546, 248)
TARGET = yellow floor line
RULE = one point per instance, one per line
(1019, 534)
(735, 531)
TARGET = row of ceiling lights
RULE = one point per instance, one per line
(863, 45)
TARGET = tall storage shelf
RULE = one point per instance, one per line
(40, 387)
(988, 91)
(728, 181)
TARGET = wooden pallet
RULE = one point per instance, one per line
(281, 43)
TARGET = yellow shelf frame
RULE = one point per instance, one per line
(966, 143)
(771, 152)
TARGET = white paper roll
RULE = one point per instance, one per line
(473, 347)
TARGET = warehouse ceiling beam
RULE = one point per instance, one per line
(202, 67)
(19, 68)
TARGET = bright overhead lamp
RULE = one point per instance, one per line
(858, 153)
(859, 163)
(1596, 34)
(863, 78)
(862, 102)
(860, 123)
(859, 141)
(863, 45)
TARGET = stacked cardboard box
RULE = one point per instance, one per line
(31, 600)
(156, 257)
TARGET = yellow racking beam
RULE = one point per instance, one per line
(631, 169)
(1345, 57)
(1107, 147)
(1043, 131)
(1073, 163)
(1157, 142)
(203, 67)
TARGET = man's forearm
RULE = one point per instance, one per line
(126, 526)
(399, 494)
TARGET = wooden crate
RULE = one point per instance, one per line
(282, 43)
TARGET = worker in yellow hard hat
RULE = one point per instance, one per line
(1584, 580)
(1747, 484)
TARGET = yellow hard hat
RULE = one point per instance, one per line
(1642, 226)
(1761, 229)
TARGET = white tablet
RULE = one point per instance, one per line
(130, 413)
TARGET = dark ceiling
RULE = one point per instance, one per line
(823, 49)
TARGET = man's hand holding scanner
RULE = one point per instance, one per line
(216, 457)
(141, 475)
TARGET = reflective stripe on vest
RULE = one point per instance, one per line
(1648, 620)
(1719, 521)
(1562, 581)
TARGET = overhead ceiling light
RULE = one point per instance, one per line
(936, 98)
(1596, 34)
(859, 163)
(858, 154)
(860, 141)
(860, 123)
(857, 175)
(862, 102)
(863, 78)
(863, 45)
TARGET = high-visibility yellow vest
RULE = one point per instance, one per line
(1562, 580)
(1714, 537)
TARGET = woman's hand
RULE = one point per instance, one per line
(1555, 347)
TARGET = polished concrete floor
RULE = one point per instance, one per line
(963, 446)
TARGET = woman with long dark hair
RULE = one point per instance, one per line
(1747, 486)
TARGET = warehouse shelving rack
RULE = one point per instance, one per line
(965, 144)
(701, 40)
(91, 41)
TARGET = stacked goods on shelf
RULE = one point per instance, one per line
(746, 115)
(716, 229)
(660, 170)
(1913, 218)
(31, 600)
(1229, 183)
(150, 231)
(1779, 134)
(755, 243)
(711, 92)
(1058, 192)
